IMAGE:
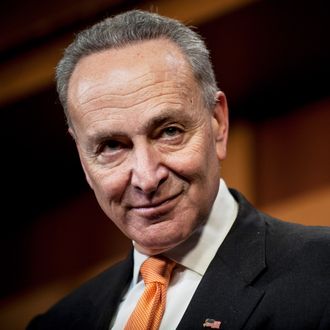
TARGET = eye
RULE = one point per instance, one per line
(171, 131)
(111, 147)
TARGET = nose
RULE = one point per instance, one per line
(148, 173)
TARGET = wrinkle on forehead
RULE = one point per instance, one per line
(146, 86)
(119, 78)
(116, 96)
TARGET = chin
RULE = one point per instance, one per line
(163, 236)
(157, 246)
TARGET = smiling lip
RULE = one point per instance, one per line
(156, 209)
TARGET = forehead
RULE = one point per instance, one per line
(144, 78)
(128, 68)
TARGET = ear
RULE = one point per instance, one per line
(220, 125)
(73, 134)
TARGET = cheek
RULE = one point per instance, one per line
(108, 185)
(189, 167)
(195, 161)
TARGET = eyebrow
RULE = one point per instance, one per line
(166, 116)
(170, 115)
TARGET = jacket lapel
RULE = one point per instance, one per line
(226, 293)
(106, 297)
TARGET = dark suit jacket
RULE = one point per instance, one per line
(268, 274)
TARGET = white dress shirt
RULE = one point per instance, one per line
(193, 258)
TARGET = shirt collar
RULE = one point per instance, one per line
(197, 252)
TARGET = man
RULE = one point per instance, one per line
(151, 130)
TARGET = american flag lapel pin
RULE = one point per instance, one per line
(213, 324)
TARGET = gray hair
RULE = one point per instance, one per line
(134, 26)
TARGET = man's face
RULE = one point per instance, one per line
(149, 147)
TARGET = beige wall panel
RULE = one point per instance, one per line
(239, 167)
(311, 208)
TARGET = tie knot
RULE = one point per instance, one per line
(157, 269)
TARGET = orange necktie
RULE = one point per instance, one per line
(148, 313)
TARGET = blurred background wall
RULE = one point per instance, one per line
(271, 59)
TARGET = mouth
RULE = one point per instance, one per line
(158, 208)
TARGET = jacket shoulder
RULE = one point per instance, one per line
(286, 243)
(85, 306)
(309, 245)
